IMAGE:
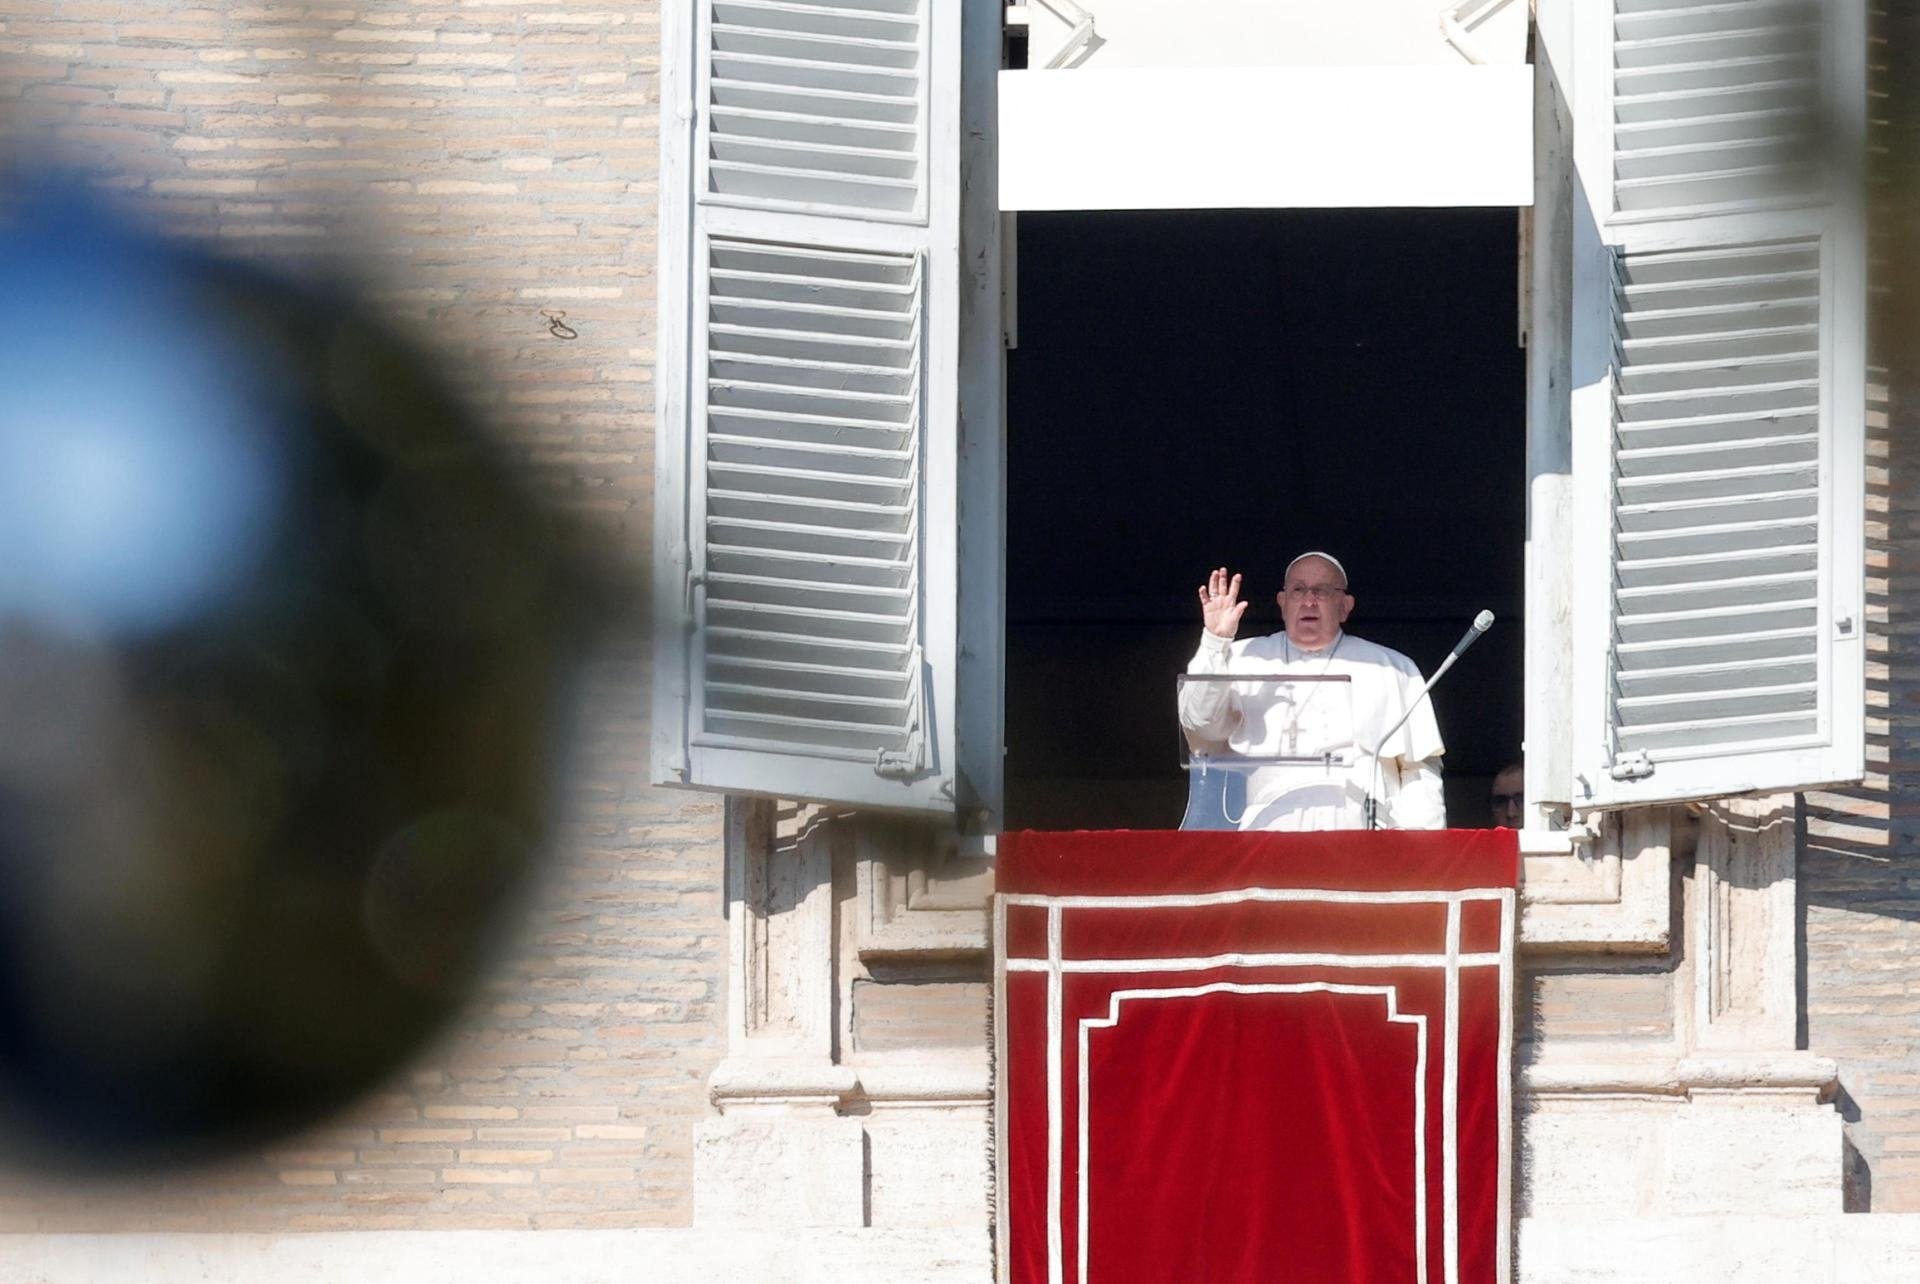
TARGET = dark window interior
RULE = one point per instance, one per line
(1202, 388)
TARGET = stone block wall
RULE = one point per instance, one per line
(477, 161)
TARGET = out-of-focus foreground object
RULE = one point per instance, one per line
(281, 646)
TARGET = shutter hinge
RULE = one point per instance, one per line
(899, 764)
(908, 761)
(1632, 765)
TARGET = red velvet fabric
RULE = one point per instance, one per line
(1229, 1058)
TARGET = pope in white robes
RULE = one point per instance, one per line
(1348, 692)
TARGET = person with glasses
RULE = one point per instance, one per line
(1312, 735)
(1508, 795)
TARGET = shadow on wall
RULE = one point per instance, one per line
(1859, 870)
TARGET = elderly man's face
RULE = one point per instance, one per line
(1314, 602)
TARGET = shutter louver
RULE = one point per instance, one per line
(1719, 400)
(817, 106)
(1715, 105)
(1717, 489)
(813, 442)
(823, 180)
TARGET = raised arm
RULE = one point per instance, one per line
(1206, 713)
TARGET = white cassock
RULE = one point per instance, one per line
(1251, 719)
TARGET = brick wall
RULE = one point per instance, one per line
(1593, 1000)
(1859, 869)
(484, 159)
(1859, 876)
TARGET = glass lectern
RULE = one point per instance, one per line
(1271, 752)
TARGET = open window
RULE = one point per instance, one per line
(1718, 399)
(1198, 387)
(830, 542)
(828, 374)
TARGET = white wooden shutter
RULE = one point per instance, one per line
(820, 107)
(809, 373)
(1719, 398)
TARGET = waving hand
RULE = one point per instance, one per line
(1220, 604)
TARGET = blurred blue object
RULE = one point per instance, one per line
(142, 445)
(283, 653)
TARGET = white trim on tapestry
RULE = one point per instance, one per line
(1002, 1231)
(1200, 900)
(1252, 960)
(1503, 1243)
(1450, 1106)
(1056, 966)
(1394, 1015)
(1056, 1247)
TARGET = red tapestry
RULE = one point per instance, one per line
(1227, 1058)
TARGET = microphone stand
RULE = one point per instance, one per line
(1481, 624)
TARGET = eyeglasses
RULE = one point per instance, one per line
(1318, 592)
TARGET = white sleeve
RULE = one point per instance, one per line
(1418, 740)
(1420, 803)
(1206, 708)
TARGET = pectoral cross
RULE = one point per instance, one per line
(1290, 736)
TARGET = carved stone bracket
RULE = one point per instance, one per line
(813, 1129)
(919, 892)
(1609, 894)
(780, 934)
(780, 1153)
(1745, 993)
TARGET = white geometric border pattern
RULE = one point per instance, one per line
(1394, 1016)
(1451, 961)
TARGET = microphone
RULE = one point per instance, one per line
(1481, 623)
